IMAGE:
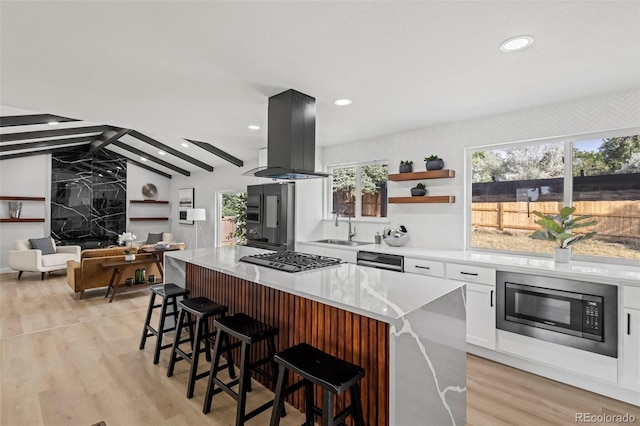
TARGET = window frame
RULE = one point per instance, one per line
(330, 215)
(568, 141)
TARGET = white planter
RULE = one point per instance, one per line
(562, 255)
(129, 257)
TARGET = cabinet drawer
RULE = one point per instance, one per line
(631, 297)
(348, 256)
(424, 267)
(472, 274)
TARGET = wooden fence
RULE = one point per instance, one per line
(228, 225)
(616, 219)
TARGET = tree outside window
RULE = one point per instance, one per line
(508, 184)
(234, 218)
(359, 190)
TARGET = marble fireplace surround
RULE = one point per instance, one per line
(88, 197)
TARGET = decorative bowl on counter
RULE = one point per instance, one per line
(395, 237)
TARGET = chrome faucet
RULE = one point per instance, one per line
(352, 231)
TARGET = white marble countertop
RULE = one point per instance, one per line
(588, 271)
(375, 293)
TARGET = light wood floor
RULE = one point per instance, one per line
(65, 361)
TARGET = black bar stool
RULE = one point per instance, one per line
(247, 331)
(332, 374)
(169, 294)
(203, 309)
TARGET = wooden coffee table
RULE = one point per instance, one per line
(117, 267)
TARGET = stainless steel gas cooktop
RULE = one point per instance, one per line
(291, 261)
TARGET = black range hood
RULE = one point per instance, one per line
(291, 140)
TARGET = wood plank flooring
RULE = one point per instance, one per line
(66, 361)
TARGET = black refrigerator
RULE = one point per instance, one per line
(271, 216)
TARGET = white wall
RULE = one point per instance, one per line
(25, 177)
(206, 184)
(442, 225)
(430, 225)
(31, 177)
(137, 177)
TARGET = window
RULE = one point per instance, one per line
(359, 190)
(232, 219)
(600, 179)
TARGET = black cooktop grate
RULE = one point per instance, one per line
(291, 261)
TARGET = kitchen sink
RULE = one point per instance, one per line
(342, 242)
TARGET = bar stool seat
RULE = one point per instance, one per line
(202, 309)
(332, 374)
(247, 331)
(169, 293)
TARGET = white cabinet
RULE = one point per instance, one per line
(481, 306)
(349, 256)
(346, 255)
(630, 375)
(424, 267)
(481, 315)
(311, 249)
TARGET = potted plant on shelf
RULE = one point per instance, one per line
(406, 166)
(433, 162)
(419, 190)
(559, 227)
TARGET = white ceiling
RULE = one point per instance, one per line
(204, 70)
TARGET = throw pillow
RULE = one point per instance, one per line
(42, 244)
(154, 238)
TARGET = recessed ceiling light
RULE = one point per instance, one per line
(161, 152)
(143, 159)
(186, 145)
(342, 102)
(53, 123)
(253, 127)
(516, 43)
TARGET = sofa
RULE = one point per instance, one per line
(24, 258)
(88, 272)
(152, 240)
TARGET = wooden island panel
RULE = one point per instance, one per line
(358, 339)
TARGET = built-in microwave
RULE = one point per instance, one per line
(254, 208)
(568, 312)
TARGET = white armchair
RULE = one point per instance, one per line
(23, 258)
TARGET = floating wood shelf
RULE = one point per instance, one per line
(429, 174)
(141, 219)
(27, 219)
(11, 198)
(149, 201)
(423, 199)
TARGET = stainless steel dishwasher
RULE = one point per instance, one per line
(392, 262)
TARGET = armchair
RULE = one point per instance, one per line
(23, 258)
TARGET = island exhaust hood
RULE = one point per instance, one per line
(291, 140)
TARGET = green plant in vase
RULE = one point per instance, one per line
(559, 229)
(406, 166)
(433, 162)
(419, 190)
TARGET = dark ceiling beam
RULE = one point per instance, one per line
(54, 150)
(150, 157)
(9, 137)
(32, 153)
(144, 166)
(218, 152)
(27, 120)
(44, 144)
(170, 150)
(106, 138)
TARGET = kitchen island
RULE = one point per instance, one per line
(406, 331)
